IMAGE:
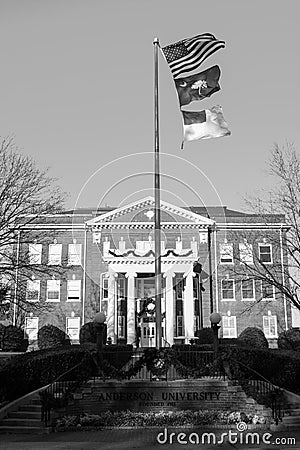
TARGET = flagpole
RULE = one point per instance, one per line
(157, 225)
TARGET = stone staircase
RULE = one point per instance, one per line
(24, 418)
(291, 419)
(24, 415)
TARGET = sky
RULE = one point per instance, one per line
(76, 92)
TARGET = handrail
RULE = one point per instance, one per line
(276, 391)
(257, 373)
(47, 395)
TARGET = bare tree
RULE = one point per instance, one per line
(26, 193)
(284, 272)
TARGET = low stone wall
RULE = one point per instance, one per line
(97, 397)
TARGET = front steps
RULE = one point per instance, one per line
(26, 419)
(291, 419)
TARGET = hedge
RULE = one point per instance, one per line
(87, 333)
(33, 370)
(205, 336)
(12, 339)
(50, 336)
(289, 339)
(279, 367)
(253, 337)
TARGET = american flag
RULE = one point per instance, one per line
(188, 54)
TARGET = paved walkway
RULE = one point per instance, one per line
(135, 439)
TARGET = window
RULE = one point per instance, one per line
(35, 253)
(31, 328)
(229, 326)
(55, 254)
(270, 326)
(226, 253)
(104, 294)
(5, 289)
(246, 253)
(74, 254)
(196, 323)
(227, 288)
(73, 327)
(74, 290)
(53, 290)
(265, 253)
(267, 290)
(248, 290)
(121, 326)
(33, 290)
(179, 326)
(143, 247)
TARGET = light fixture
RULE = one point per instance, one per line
(215, 318)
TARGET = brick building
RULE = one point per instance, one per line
(108, 261)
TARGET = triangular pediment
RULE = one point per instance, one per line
(142, 212)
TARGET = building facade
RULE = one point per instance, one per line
(107, 256)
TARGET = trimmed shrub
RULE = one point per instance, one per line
(205, 336)
(282, 368)
(289, 339)
(117, 355)
(12, 339)
(49, 336)
(253, 337)
(87, 334)
(2, 333)
(32, 370)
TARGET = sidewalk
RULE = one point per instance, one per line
(131, 439)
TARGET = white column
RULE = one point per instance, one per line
(188, 307)
(169, 330)
(131, 337)
(111, 307)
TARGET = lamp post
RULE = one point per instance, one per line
(197, 268)
(100, 328)
(215, 319)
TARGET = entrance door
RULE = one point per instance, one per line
(147, 333)
(145, 289)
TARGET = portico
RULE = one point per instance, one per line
(124, 237)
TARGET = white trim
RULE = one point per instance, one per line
(74, 256)
(35, 329)
(121, 324)
(54, 259)
(267, 329)
(69, 319)
(261, 291)
(150, 203)
(271, 252)
(246, 253)
(228, 299)
(69, 285)
(37, 282)
(57, 282)
(283, 280)
(229, 245)
(216, 271)
(253, 285)
(232, 330)
(35, 252)
(182, 326)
